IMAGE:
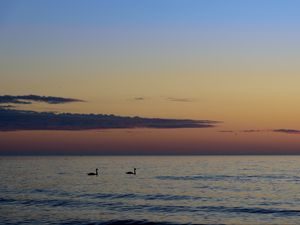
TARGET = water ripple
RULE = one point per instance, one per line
(228, 177)
(128, 222)
(119, 206)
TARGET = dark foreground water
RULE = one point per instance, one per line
(166, 190)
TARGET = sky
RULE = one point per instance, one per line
(232, 63)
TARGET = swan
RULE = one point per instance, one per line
(93, 174)
(133, 173)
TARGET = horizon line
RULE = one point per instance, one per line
(143, 155)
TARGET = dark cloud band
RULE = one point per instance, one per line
(11, 119)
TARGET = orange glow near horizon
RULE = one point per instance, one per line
(147, 141)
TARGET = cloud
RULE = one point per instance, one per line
(252, 131)
(226, 131)
(139, 98)
(172, 99)
(287, 131)
(179, 99)
(242, 131)
(28, 99)
(7, 107)
(11, 119)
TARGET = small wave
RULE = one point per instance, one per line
(170, 197)
(285, 212)
(127, 222)
(122, 207)
(7, 200)
(161, 197)
(62, 173)
(49, 192)
(228, 177)
(112, 196)
(110, 222)
(206, 209)
(195, 177)
(46, 202)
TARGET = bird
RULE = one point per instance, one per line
(93, 174)
(133, 173)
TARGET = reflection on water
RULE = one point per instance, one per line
(179, 190)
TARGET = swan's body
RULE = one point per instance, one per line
(93, 174)
(133, 173)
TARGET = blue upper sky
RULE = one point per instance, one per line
(151, 13)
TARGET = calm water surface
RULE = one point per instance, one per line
(179, 190)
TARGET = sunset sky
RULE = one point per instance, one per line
(235, 62)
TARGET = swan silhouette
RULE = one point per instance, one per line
(93, 174)
(133, 173)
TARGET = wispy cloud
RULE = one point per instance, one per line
(179, 99)
(287, 131)
(172, 99)
(7, 106)
(253, 131)
(226, 131)
(11, 119)
(28, 99)
(139, 98)
(243, 131)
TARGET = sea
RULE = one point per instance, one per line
(165, 190)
